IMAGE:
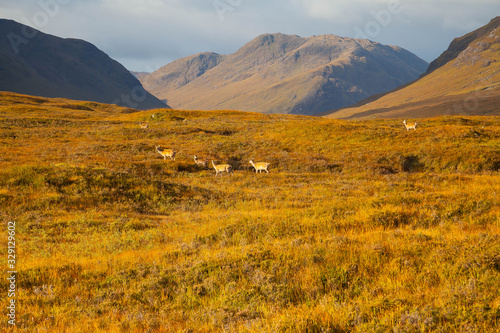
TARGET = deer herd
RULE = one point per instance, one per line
(220, 168)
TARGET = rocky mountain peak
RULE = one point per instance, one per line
(279, 73)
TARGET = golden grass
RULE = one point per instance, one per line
(358, 227)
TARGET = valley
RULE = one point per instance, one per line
(240, 211)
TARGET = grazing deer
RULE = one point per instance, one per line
(200, 162)
(261, 166)
(166, 152)
(222, 168)
(410, 126)
(144, 125)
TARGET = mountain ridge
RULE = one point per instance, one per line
(279, 73)
(45, 65)
(466, 85)
(196, 65)
(460, 44)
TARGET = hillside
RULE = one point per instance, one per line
(180, 72)
(139, 75)
(35, 63)
(358, 227)
(464, 80)
(460, 44)
(277, 73)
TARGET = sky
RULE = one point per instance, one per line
(144, 35)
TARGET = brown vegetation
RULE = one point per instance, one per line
(360, 226)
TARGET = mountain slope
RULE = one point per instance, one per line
(468, 84)
(35, 63)
(277, 73)
(180, 72)
(458, 45)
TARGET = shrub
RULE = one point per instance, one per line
(411, 163)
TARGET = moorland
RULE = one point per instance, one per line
(360, 226)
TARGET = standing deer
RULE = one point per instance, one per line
(222, 168)
(410, 126)
(166, 152)
(200, 162)
(260, 166)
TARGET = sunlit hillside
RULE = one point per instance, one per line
(464, 81)
(358, 227)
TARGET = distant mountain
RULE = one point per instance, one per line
(179, 73)
(464, 80)
(139, 75)
(35, 63)
(277, 73)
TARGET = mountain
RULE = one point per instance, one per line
(179, 73)
(464, 80)
(139, 75)
(35, 63)
(458, 45)
(278, 73)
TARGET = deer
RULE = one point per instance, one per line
(144, 125)
(222, 168)
(166, 152)
(410, 126)
(260, 166)
(200, 162)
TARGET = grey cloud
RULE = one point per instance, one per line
(143, 33)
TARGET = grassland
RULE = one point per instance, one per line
(358, 227)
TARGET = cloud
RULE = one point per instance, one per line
(341, 11)
(146, 34)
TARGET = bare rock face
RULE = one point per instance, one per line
(278, 73)
(474, 52)
(35, 63)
